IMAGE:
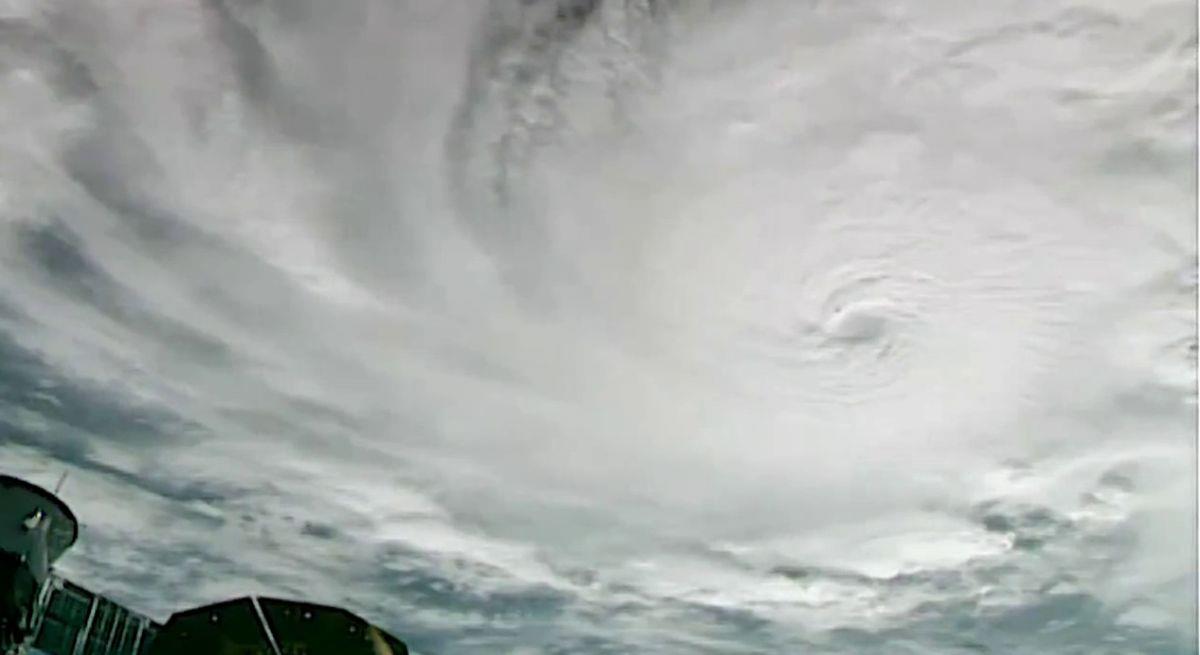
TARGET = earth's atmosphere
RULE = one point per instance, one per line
(808, 326)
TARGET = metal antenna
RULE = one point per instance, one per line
(267, 632)
(58, 487)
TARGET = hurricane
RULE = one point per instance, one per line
(615, 326)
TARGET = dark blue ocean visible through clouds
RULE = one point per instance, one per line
(629, 326)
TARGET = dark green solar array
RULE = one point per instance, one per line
(78, 622)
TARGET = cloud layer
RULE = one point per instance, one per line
(587, 327)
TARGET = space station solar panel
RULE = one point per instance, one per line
(76, 621)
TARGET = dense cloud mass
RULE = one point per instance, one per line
(641, 326)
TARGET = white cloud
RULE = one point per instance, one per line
(685, 329)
